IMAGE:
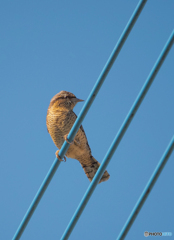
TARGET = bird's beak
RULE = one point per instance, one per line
(75, 100)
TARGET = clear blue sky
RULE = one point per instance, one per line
(49, 46)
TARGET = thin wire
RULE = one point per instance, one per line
(147, 190)
(79, 120)
(103, 75)
(118, 138)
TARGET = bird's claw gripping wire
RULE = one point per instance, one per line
(66, 139)
(73, 141)
(58, 157)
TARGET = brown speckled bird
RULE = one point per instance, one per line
(60, 119)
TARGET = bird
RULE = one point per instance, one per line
(59, 120)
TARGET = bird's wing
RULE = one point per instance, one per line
(80, 137)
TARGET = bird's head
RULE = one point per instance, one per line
(64, 100)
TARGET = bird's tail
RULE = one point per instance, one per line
(90, 170)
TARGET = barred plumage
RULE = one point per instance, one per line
(60, 119)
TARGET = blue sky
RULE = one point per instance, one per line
(49, 46)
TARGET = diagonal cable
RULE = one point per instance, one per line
(118, 137)
(147, 190)
(80, 118)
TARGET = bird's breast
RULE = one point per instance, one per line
(59, 124)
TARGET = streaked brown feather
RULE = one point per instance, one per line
(60, 119)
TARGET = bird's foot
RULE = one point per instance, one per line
(73, 141)
(65, 137)
(58, 157)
